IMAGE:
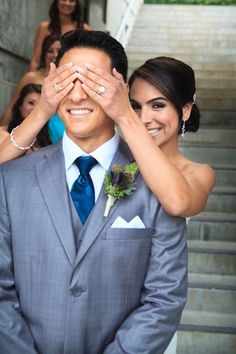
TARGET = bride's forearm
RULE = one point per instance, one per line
(161, 176)
(23, 135)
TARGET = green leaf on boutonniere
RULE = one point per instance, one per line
(119, 182)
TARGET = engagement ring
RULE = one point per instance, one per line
(101, 90)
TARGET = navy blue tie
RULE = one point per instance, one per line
(82, 191)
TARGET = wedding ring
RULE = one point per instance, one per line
(56, 87)
(101, 90)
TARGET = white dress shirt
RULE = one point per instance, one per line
(103, 154)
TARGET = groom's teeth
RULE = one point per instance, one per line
(154, 132)
(79, 111)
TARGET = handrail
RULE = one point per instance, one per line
(123, 23)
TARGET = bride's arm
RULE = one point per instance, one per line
(49, 100)
(179, 195)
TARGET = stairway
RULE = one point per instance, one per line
(205, 38)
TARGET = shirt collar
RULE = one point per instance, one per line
(103, 154)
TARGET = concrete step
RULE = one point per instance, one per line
(204, 321)
(225, 178)
(211, 300)
(214, 68)
(209, 135)
(208, 14)
(166, 33)
(191, 20)
(198, 342)
(215, 74)
(219, 93)
(211, 281)
(222, 199)
(212, 226)
(215, 86)
(213, 260)
(213, 155)
(219, 247)
(169, 50)
(175, 41)
(220, 103)
(137, 57)
(219, 119)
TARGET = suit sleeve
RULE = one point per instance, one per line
(15, 335)
(150, 327)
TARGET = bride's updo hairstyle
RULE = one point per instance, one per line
(176, 81)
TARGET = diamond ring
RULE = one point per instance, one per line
(101, 90)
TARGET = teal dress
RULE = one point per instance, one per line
(56, 128)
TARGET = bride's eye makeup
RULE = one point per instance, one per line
(135, 105)
(158, 105)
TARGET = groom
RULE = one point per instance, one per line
(71, 280)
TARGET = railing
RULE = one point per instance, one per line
(128, 21)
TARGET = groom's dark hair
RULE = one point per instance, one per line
(96, 40)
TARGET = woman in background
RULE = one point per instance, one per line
(65, 15)
(50, 48)
(24, 105)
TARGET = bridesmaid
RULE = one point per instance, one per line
(50, 48)
(24, 105)
(65, 15)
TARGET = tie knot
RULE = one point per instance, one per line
(85, 164)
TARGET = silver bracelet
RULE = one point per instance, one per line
(14, 143)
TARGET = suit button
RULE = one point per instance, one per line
(76, 291)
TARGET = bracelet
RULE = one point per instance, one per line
(14, 143)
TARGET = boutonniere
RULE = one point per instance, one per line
(119, 182)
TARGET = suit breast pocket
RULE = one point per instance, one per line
(128, 234)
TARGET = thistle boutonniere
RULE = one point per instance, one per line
(119, 182)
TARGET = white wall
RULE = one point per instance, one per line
(116, 12)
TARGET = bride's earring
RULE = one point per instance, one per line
(183, 129)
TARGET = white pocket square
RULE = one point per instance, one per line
(135, 223)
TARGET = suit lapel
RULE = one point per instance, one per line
(96, 221)
(50, 172)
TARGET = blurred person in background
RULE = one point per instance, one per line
(65, 15)
(50, 48)
(28, 99)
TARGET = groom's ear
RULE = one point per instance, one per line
(127, 85)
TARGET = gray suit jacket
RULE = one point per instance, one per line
(122, 292)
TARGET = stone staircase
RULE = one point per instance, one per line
(205, 38)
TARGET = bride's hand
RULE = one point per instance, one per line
(108, 90)
(55, 87)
